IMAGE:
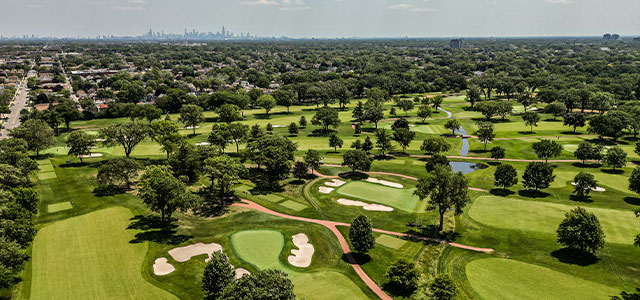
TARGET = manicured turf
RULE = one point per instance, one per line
(243, 188)
(505, 279)
(390, 241)
(399, 198)
(620, 226)
(90, 257)
(271, 197)
(46, 170)
(47, 175)
(293, 205)
(326, 285)
(260, 248)
(51, 208)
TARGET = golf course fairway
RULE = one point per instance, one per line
(91, 257)
(505, 279)
(399, 198)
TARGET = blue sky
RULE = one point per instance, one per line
(323, 18)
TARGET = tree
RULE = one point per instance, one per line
(556, 109)
(12, 260)
(358, 112)
(293, 128)
(443, 189)
(80, 144)
(151, 113)
(312, 159)
(485, 133)
(584, 152)
(436, 160)
(383, 141)
(453, 125)
(400, 123)
(424, 112)
(167, 135)
(68, 111)
(223, 171)
(584, 183)
(275, 154)
(437, 101)
(357, 160)
(505, 176)
(228, 113)
(497, 152)
(488, 109)
(285, 97)
(406, 105)
(186, 161)
(610, 125)
(36, 133)
(546, 149)
(473, 94)
(239, 134)
(442, 288)
(128, 135)
(538, 175)
(403, 276)
(581, 230)
(335, 141)
(615, 157)
(303, 122)
(267, 103)
(531, 118)
(164, 193)
(191, 115)
(357, 128)
(435, 145)
(628, 296)
(220, 135)
(325, 117)
(574, 120)
(361, 234)
(374, 115)
(267, 284)
(218, 274)
(300, 170)
(118, 172)
(634, 180)
(367, 145)
(403, 136)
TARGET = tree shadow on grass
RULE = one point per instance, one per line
(612, 171)
(354, 175)
(571, 133)
(397, 291)
(431, 231)
(502, 192)
(575, 257)
(632, 200)
(586, 165)
(526, 132)
(533, 194)
(356, 258)
(494, 163)
(583, 199)
(154, 230)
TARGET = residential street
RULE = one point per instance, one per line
(19, 103)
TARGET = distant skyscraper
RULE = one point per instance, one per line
(456, 44)
(223, 32)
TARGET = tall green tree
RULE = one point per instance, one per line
(218, 274)
(80, 144)
(267, 103)
(128, 135)
(444, 190)
(191, 116)
(167, 135)
(325, 117)
(531, 118)
(485, 133)
(581, 230)
(361, 234)
(435, 145)
(223, 171)
(357, 160)
(383, 141)
(312, 159)
(546, 149)
(36, 133)
(162, 192)
(505, 176)
(453, 125)
(538, 176)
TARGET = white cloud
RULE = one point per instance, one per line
(128, 8)
(261, 3)
(139, 1)
(409, 7)
(560, 1)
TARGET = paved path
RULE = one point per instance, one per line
(331, 225)
(18, 104)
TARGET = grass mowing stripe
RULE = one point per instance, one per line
(399, 198)
(51, 208)
(390, 241)
(293, 205)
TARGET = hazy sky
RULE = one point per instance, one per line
(323, 18)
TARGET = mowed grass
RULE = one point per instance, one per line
(51, 208)
(505, 279)
(620, 226)
(91, 257)
(399, 198)
(390, 241)
(262, 249)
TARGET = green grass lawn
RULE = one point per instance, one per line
(52, 208)
(399, 198)
(619, 225)
(505, 279)
(260, 248)
(91, 257)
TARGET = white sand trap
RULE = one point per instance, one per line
(366, 206)
(384, 182)
(241, 272)
(325, 190)
(190, 127)
(302, 256)
(279, 126)
(183, 254)
(91, 155)
(99, 140)
(203, 144)
(162, 267)
(595, 189)
(335, 182)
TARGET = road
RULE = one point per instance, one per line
(18, 104)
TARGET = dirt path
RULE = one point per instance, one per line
(331, 225)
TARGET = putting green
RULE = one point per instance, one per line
(262, 249)
(390, 241)
(505, 279)
(90, 257)
(51, 208)
(399, 198)
(620, 226)
(290, 204)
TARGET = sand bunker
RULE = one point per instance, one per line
(325, 190)
(595, 189)
(162, 267)
(190, 127)
(384, 182)
(279, 126)
(183, 254)
(366, 206)
(241, 272)
(99, 140)
(335, 182)
(203, 144)
(91, 155)
(302, 256)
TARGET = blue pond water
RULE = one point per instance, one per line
(464, 150)
(466, 167)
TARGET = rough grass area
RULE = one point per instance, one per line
(91, 257)
(619, 225)
(504, 279)
(399, 198)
